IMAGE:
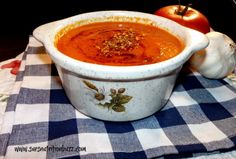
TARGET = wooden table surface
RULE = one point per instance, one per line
(19, 20)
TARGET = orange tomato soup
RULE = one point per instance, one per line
(119, 44)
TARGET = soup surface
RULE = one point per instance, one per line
(119, 44)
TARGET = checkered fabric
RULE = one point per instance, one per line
(40, 122)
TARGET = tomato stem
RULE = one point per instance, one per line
(181, 11)
(179, 8)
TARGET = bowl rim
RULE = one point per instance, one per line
(46, 34)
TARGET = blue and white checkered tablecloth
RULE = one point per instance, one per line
(40, 122)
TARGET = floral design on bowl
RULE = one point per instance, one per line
(117, 101)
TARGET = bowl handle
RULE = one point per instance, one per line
(199, 40)
(43, 31)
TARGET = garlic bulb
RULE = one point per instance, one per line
(218, 59)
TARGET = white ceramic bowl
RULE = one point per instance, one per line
(119, 93)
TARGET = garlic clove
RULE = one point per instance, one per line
(218, 59)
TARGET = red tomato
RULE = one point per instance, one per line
(186, 16)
